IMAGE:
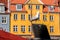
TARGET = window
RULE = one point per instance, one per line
(15, 16)
(51, 29)
(19, 7)
(37, 7)
(51, 8)
(22, 16)
(29, 28)
(23, 29)
(4, 20)
(51, 17)
(44, 17)
(2, 9)
(15, 28)
(29, 16)
(30, 6)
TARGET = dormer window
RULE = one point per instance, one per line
(37, 7)
(51, 8)
(19, 7)
(2, 9)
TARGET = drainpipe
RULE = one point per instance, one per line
(8, 6)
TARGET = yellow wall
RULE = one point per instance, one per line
(49, 23)
(33, 12)
(19, 22)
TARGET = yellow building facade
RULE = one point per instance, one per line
(23, 26)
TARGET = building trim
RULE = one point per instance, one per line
(20, 11)
(40, 1)
(26, 1)
(52, 12)
(25, 35)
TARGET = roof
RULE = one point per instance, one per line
(50, 3)
(14, 2)
(18, 1)
(47, 10)
(8, 36)
(34, 2)
(4, 2)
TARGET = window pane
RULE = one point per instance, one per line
(51, 29)
(22, 28)
(44, 17)
(29, 16)
(15, 29)
(51, 8)
(22, 16)
(15, 16)
(51, 18)
(29, 28)
(4, 20)
(2, 9)
(19, 7)
(37, 7)
(30, 6)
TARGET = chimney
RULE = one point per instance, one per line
(8, 6)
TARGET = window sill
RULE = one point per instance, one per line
(3, 23)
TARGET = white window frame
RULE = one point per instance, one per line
(2, 8)
(30, 6)
(17, 8)
(23, 28)
(15, 28)
(29, 28)
(4, 19)
(51, 29)
(29, 17)
(51, 7)
(51, 18)
(22, 16)
(15, 17)
(37, 7)
(45, 17)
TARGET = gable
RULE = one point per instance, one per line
(34, 2)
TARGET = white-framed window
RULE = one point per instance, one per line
(2, 9)
(19, 7)
(51, 8)
(15, 28)
(15, 16)
(23, 28)
(29, 17)
(51, 17)
(29, 28)
(30, 6)
(4, 20)
(51, 29)
(22, 16)
(44, 17)
(37, 7)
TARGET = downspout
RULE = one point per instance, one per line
(8, 6)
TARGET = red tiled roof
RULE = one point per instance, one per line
(50, 2)
(14, 2)
(4, 1)
(9, 36)
(47, 10)
(13, 8)
(18, 1)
